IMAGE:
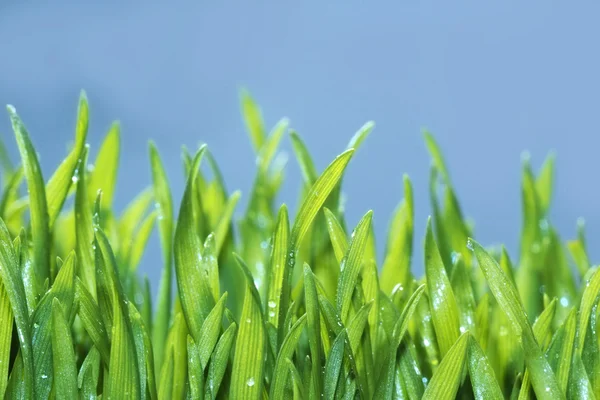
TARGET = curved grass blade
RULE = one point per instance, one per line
(541, 330)
(164, 206)
(307, 166)
(194, 292)
(211, 266)
(281, 369)
(37, 198)
(10, 192)
(219, 362)
(446, 379)
(352, 265)
(129, 222)
(66, 174)
(63, 355)
(436, 156)
(89, 312)
(6, 330)
(299, 392)
(588, 299)
(209, 334)
(316, 197)
(542, 378)
(339, 241)
(89, 374)
(483, 379)
(104, 175)
(465, 298)
(444, 311)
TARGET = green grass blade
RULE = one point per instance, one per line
(253, 119)
(278, 265)
(63, 356)
(104, 175)
(123, 378)
(219, 362)
(89, 312)
(129, 223)
(84, 231)
(339, 241)
(316, 197)
(140, 241)
(89, 374)
(10, 192)
(164, 205)
(209, 334)
(542, 378)
(446, 379)
(541, 331)
(38, 206)
(59, 184)
(223, 227)
(588, 299)
(333, 365)
(579, 384)
(248, 364)
(313, 314)
(544, 183)
(307, 166)
(195, 371)
(436, 156)
(444, 310)
(288, 347)
(211, 266)
(396, 265)
(465, 298)
(6, 330)
(351, 267)
(63, 290)
(143, 350)
(483, 379)
(561, 349)
(194, 292)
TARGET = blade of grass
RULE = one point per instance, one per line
(352, 265)
(219, 362)
(104, 175)
(38, 206)
(63, 355)
(446, 379)
(194, 292)
(542, 378)
(444, 310)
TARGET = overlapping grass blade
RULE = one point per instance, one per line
(63, 355)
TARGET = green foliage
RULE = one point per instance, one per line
(272, 305)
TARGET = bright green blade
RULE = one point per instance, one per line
(446, 379)
(104, 175)
(63, 355)
(38, 206)
(444, 310)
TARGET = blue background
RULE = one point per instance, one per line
(489, 80)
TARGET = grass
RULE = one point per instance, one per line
(279, 306)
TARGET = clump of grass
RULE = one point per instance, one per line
(291, 306)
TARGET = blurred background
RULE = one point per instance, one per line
(488, 80)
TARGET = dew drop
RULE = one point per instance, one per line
(248, 320)
(250, 382)
(564, 302)
(272, 304)
(44, 376)
(470, 245)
